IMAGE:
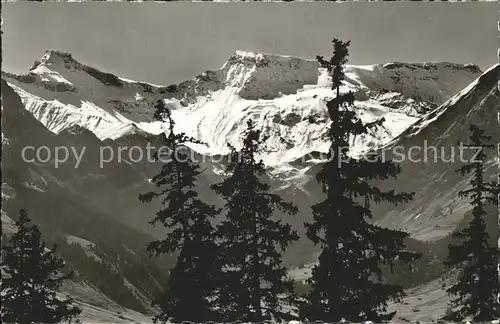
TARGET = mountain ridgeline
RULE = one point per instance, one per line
(93, 213)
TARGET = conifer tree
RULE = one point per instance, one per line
(190, 232)
(31, 275)
(477, 288)
(346, 283)
(255, 281)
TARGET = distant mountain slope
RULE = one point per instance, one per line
(84, 107)
(94, 304)
(283, 94)
(436, 210)
(69, 204)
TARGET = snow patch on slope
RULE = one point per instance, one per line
(97, 308)
(286, 120)
(266, 76)
(8, 225)
(87, 246)
(432, 82)
(95, 100)
(8, 192)
(48, 75)
(438, 133)
(435, 114)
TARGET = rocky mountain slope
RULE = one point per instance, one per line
(95, 305)
(283, 94)
(429, 154)
(65, 203)
(435, 210)
(95, 210)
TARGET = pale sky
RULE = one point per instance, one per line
(172, 42)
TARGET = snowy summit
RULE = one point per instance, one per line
(285, 95)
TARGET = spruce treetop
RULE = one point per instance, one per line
(31, 275)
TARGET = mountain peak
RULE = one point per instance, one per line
(54, 57)
(282, 92)
(473, 68)
(263, 55)
(265, 76)
(260, 59)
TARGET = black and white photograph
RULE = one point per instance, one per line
(244, 162)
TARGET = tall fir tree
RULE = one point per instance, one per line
(346, 283)
(255, 283)
(477, 288)
(31, 276)
(190, 286)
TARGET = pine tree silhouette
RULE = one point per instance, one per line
(477, 288)
(31, 275)
(190, 284)
(255, 282)
(346, 284)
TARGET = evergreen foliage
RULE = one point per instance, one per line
(477, 288)
(187, 296)
(254, 283)
(347, 283)
(31, 275)
(102, 275)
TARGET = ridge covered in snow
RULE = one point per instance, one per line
(285, 95)
(435, 210)
(436, 114)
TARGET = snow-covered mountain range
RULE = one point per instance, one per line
(61, 101)
(284, 95)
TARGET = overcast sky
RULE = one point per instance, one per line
(169, 43)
